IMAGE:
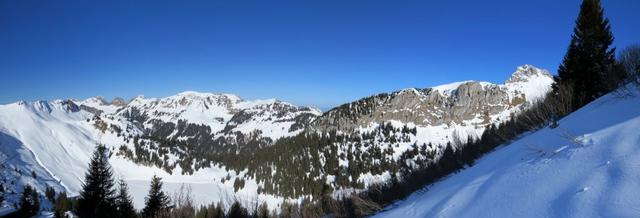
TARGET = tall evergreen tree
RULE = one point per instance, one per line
(29, 202)
(263, 211)
(1, 193)
(157, 201)
(236, 211)
(62, 205)
(97, 198)
(124, 204)
(589, 63)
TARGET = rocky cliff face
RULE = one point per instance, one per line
(469, 103)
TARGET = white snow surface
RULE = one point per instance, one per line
(529, 80)
(215, 110)
(56, 143)
(589, 166)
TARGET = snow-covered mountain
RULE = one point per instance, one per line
(55, 139)
(213, 141)
(586, 167)
(219, 114)
(442, 112)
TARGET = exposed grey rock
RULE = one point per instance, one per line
(117, 101)
(431, 107)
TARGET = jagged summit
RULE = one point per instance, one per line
(473, 104)
(525, 72)
(117, 101)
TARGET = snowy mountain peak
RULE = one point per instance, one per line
(117, 101)
(447, 89)
(204, 95)
(99, 100)
(466, 104)
(525, 72)
(532, 82)
(137, 98)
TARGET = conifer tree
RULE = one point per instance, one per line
(218, 211)
(589, 64)
(157, 202)
(62, 205)
(263, 211)
(97, 198)
(124, 204)
(236, 211)
(1, 193)
(50, 193)
(29, 202)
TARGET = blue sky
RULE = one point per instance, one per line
(319, 53)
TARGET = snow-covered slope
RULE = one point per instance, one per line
(589, 166)
(55, 140)
(449, 113)
(222, 114)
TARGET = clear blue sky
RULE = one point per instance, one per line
(320, 53)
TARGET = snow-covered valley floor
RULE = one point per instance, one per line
(589, 166)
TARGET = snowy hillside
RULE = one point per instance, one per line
(221, 114)
(211, 141)
(449, 113)
(589, 166)
(55, 140)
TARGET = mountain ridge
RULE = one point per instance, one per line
(193, 137)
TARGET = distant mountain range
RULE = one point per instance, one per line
(228, 147)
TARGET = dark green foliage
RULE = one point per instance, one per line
(62, 205)
(1, 193)
(124, 204)
(263, 211)
(589, 67)
(50, 193)
(156, 202)
(238, 184)
(29, 202)
(97, 198)
(237, 211)
(211, 211)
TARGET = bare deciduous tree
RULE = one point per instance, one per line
(629, 58)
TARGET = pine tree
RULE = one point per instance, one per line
(29, 202)
(62, 205)
(589, 63)
(50, 193)
(236, 211)
(124, 204)
(1, 193)
(157, 201)
(97, 198)
(263, 211)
